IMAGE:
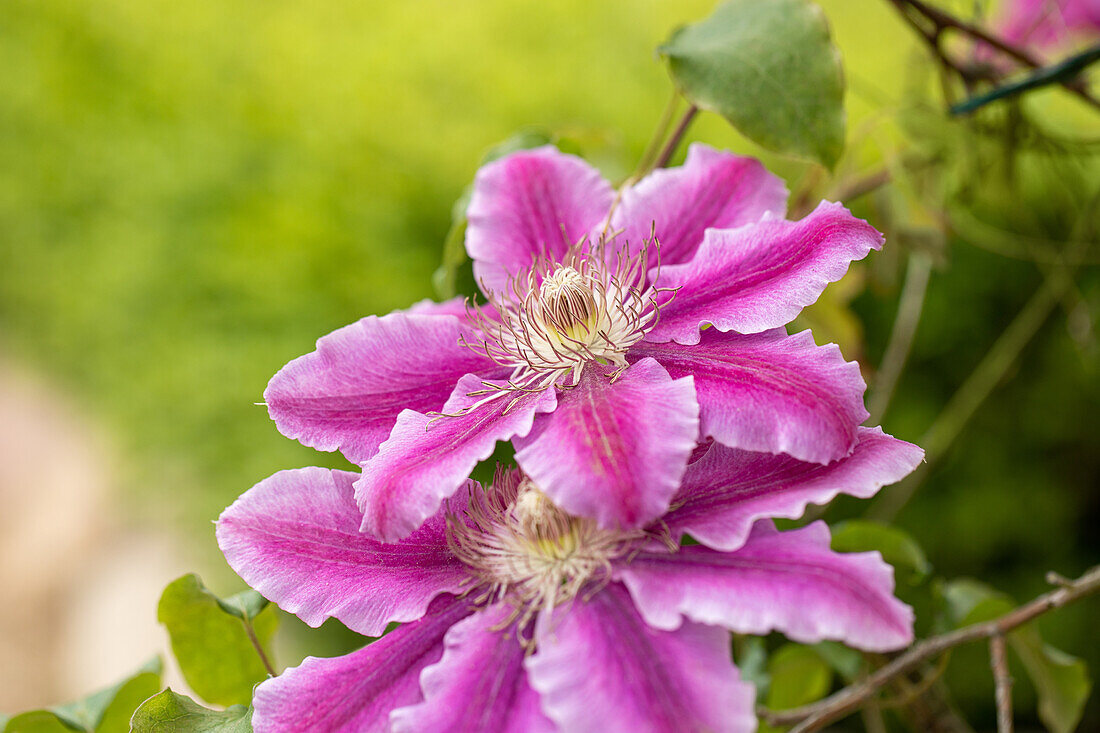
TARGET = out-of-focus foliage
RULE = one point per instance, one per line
(192, 194)
(106, 711)
(454, 274)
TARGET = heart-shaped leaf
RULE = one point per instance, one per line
(171, 712)
(210, 640)
(798, 676)
(896, 546)
(771, 69)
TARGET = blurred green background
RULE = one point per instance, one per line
(191, 194)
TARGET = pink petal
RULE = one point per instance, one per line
(295, 538)
(777, 581)
(1043, 23)
(762, 275)
(599, 668)
(770, 392)
(727, 490)
(712, 189)
(347, 394)
(356, 692)
(1081, 15)
(479, 684)
(531, 203)
(425, 460)
(454, 307)
(614, 451)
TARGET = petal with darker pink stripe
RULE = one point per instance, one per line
(601, 669)
(426, 458)
(614, 451)
(357, 692)
(770, 392)
(789, 582)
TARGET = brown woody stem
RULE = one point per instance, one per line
(853, 697)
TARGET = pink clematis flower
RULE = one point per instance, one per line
(615, 333)
(518, 616)
(1046, 23)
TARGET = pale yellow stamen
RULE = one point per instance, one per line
(526, 551)
(588, 307)
(567, 306)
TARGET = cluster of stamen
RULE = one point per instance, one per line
(560, 315)
(525, 551)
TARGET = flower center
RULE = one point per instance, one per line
(567, 306)
(559, 316)
(525, 550)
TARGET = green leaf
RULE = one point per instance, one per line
(245, 605)
(1061, 681)
(771, 69)
(897, 547)
(971, 601)
(106, 711)
(37, 721)
(445, 279)
(210, 641)
(799, 676)
(752, 661)
(844, 660)
(170, 712)
(116, 718)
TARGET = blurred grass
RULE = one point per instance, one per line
(191, 194)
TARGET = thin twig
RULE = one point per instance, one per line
(974, 391)
(803, 202)
(1058, 579)
(259, 647)
(1068, 68)
(935, 711)
(849, 190)
(677, 135)
(929, 678)
(998, 661)
(872, 718)
(910, 306)
(645, 163)
(942, 21)
(931, 38)
(819, 714)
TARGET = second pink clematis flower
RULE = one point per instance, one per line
(617, 332)
(1049, 23)
(518, 616)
